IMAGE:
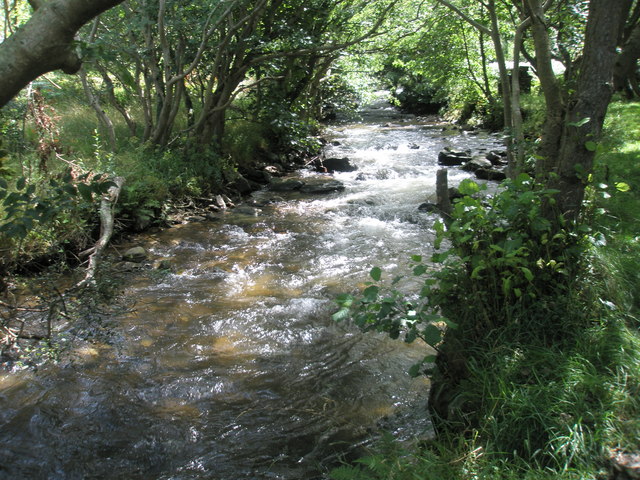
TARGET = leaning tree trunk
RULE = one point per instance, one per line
(45, 43)
(573, 128)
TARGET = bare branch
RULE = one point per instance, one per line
(465, 17)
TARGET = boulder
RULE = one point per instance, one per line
(135, 255)
(414, 146)
(429, 207)
(285, 185)
(247, 210)
(324, 187)
(449, 158)
(338, 165)
(477, 163)
(497, 158)
(243, 186)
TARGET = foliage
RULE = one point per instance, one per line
(504, 258)
(540, 364)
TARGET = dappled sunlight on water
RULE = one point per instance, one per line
(230, 366)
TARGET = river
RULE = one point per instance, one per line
(231, 367)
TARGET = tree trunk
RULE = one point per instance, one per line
(594, 91)
(625, 71)
(102, 116)
(45, 43)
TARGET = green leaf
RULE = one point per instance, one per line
(622, 187)
(476, 272)
(419, 270)
(449, 323)
(376, 273)
(416, 258)
(468, 187)
(415, 370)
(432, 335)
(340, 315)
(21, 183)
(591, 145)
(345, 300)
(3, 184)
(527, 273)
(370, 294)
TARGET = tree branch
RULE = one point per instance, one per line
(45, 42)
(465, 17)
(107, 205)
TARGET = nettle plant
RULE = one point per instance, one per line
(503, 260)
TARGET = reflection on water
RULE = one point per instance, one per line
(230, 367)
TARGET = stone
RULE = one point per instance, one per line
(196, 218)
(338, 165)
(428, 207)
(126, 267)
(626, 466)
(135, 255)
(477, 163)
(324, 187)
(285, 185)
(450, 158)
(497, 158)
(414, 146)
(242, 185)
(246, 210)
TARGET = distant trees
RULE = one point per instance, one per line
(582, 36)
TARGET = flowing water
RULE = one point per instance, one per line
(230, 367)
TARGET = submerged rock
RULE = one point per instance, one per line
(324, 187)
(135, 255)
(285, 185)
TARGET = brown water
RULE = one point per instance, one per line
(230, 367)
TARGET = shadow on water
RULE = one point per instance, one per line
(230, 367)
